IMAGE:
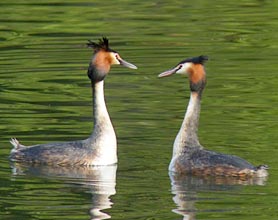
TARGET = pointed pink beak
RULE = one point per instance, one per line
(168, 72)
(126, 64)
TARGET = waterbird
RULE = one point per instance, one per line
(189, 156)
(100, 148)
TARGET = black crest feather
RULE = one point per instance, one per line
(103, 44)
(196, 60)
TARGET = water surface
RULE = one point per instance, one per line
(45, 96)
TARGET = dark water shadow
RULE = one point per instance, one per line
(186, 188)
(100, 181)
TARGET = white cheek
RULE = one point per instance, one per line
(184, 69)
(114, 60)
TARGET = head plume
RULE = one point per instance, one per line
(196, 60)
(103, 44)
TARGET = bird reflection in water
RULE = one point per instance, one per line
(101, 180)
(185, 189)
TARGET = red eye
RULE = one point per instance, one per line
(179, 67)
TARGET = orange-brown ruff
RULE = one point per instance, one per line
(189, 156)
(100, 148)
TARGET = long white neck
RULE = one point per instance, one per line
(103, 138)
(188, 133)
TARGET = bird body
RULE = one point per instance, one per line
(189, 156)
(100, 148)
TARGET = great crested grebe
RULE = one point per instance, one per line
(101, 147)
(189, 156)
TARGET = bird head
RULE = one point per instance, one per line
(194, 68)
(103, 58)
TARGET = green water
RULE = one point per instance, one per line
(45, 96)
